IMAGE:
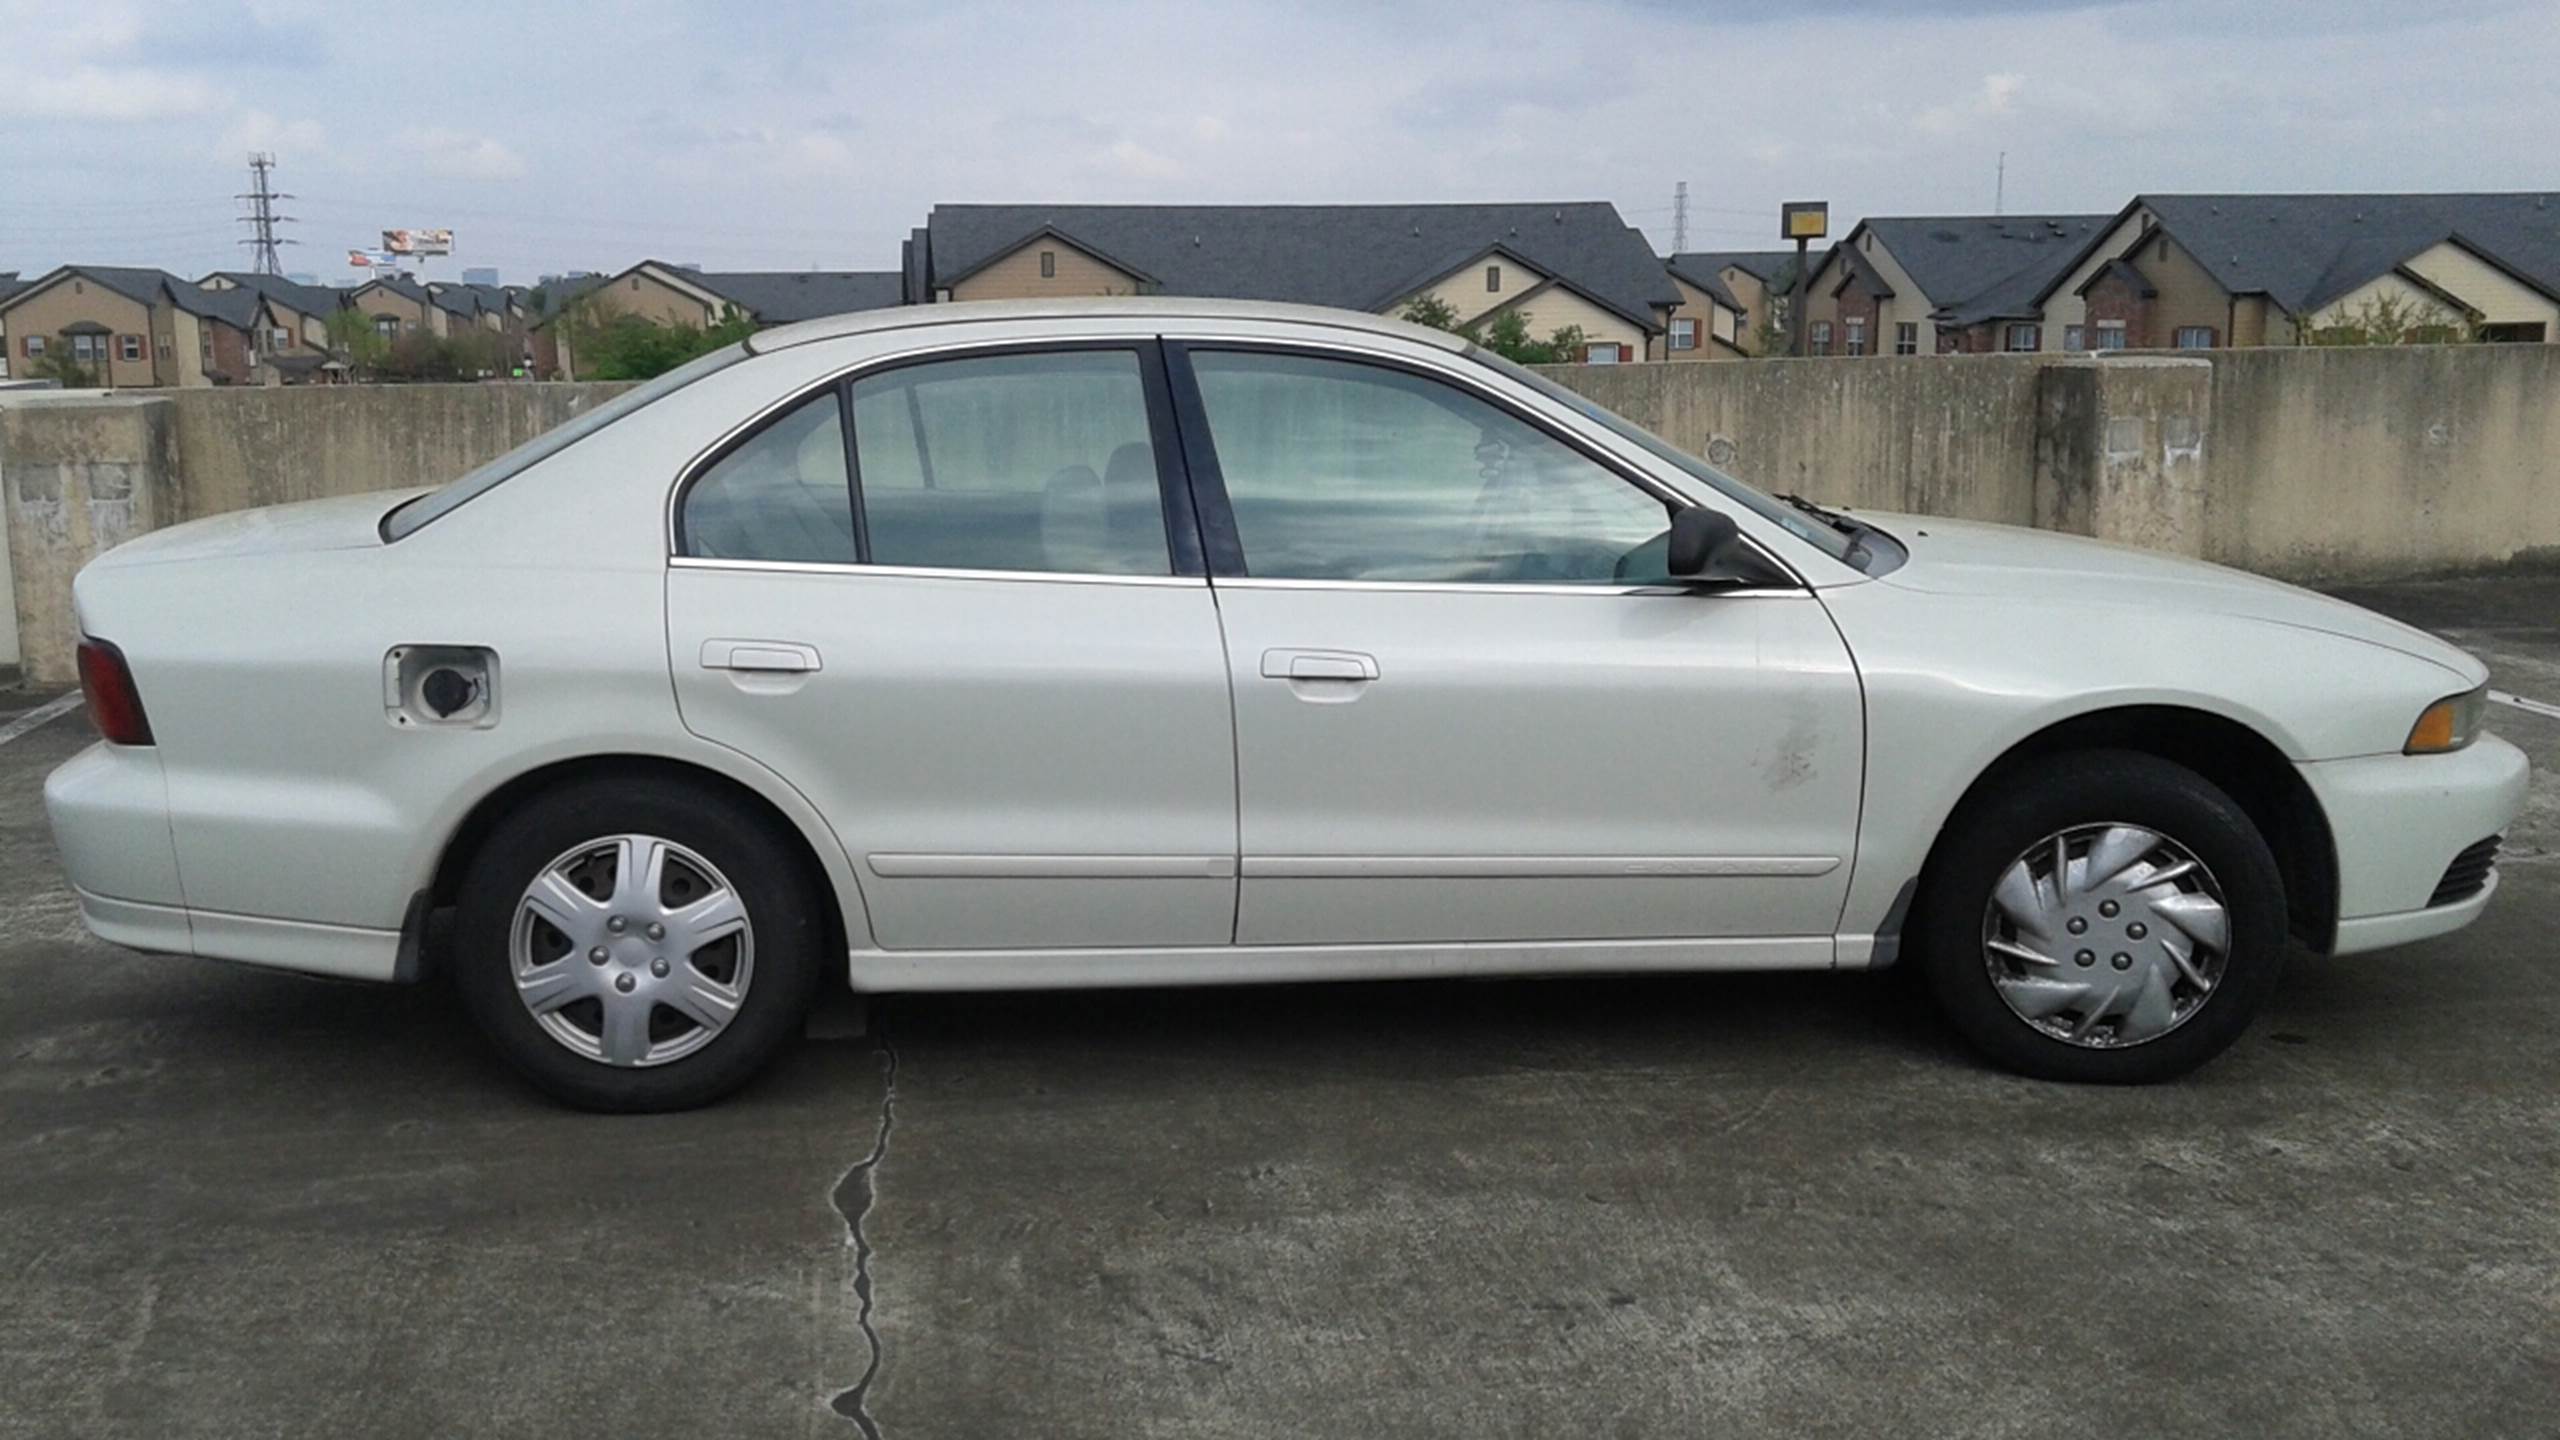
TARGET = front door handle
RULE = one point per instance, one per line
(770, 657)
(1344, 665)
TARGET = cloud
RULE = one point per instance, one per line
(1997, 96)
(459, 156)
(290, 141)
(102, 92)
(1128, 157)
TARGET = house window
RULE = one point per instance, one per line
(164, 345)
(1821, 337)
(1605, 352)
(387, 326)
(88, 348)
(128, 347)
(2023, 338)
(1048, 264)
(35, 347)
(1684, 334)
(2193, 337)
(2075, 337)
(1492, 279)
(1853, 337)
(1906, 337)
(2110, 334)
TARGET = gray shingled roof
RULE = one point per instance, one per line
(1774, 269)
(778, 297)
(1973, 268)
(232, 307)
(1358, 257)
(146, 286)
(309, 299)
(2304, 251)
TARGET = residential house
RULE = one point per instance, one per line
(134, 326)
(1934, 285)
(401, 306)
(681, 295)
(1572, 264)
(2196, 271)
(1730, 300)
(299, 313)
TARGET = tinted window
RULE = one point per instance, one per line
(1343, 471)
(781, 495)
(1011, 462)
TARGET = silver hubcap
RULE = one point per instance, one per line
(2106, 935)
(632, 950)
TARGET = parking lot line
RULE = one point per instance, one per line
(52, 709)
(2543, 708)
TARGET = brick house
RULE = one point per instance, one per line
(1936, 285)
(133, 326)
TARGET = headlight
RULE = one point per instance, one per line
(2448, 724)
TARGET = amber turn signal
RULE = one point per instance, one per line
(2448, 724)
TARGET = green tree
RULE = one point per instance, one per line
(1433, 311)
(56, 364)
(1507, 335)
(2393, 320)
(612, 345)
(353, 339)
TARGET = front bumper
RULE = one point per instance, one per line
(2398, 821)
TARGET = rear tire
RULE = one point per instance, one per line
(654, 1021)
(2097, 979)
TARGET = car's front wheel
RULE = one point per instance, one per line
(634, 948)
(2106, 916)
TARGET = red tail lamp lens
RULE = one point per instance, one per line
(115, 707)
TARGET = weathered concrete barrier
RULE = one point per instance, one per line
(2305, 464)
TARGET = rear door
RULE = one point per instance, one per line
(1470, 706)
(984, 648)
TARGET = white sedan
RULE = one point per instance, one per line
(1164, 642)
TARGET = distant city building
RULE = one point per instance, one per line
(480, 275)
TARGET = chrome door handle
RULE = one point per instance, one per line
(1344, 665)
(779, 657)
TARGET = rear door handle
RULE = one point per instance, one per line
(779, 657)
(1345, 665)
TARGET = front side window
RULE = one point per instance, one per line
(1854, 336)
(1684, 334)
(1492, 279)
(1821, 337)
(781, 495)
(1906, 337)
(35, 346)
(2074, 337)
(129, 347)
(1338, 470)
(2110, 334)
(2025, 337)
(2194, 337)
(1048, 264)
(1040, 462)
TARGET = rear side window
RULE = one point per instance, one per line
(780, 495)
(1011, 462)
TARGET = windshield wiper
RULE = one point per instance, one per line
(1856, 554)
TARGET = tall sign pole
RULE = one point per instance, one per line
(1803, 221)
(262, 218)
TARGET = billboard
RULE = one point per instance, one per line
(373, 260)
(418, 242)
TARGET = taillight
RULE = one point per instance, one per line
(115, 707)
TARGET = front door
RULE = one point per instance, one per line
(970, 648)
(1469, 705)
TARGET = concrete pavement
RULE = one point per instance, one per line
(234, 1203)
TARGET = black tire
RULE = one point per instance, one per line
(769, 875)
(2042, 798)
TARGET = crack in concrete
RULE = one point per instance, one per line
(854, 1196)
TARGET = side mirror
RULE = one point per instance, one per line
(1702, 540)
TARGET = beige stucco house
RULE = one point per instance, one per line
(1729, 300)
(132, 326)
(1555, 264)
(668, 294)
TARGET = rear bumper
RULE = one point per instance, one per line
(335, 950)
(2398, 821)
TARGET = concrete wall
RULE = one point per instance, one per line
(2306, 464)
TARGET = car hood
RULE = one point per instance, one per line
(1970, 557)
(344, 522)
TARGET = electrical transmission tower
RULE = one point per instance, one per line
(262, 218)
(1680, 217)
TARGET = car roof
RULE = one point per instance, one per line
(1141, 311)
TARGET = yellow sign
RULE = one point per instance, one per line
(1804, 219)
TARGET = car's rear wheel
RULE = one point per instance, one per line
(2107, 916)
(630, 948)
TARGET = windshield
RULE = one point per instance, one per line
(1786, 517)
(427, 509)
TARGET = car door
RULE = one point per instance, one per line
(971, 648)
(1469, 704)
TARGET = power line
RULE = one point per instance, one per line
(262, 217)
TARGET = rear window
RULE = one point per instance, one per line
(409, 519)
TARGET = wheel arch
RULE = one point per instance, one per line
(2252, 769)
(846, 916)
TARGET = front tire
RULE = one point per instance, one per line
(631, 947)
(2106, 916)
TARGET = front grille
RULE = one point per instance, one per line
(2468, 875)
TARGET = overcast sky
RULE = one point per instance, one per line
(789, 133)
